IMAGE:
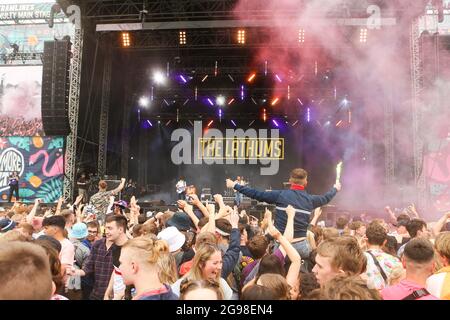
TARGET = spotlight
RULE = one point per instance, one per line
(363, 35)
(275, 123)
(251, 77)
(210, 123)
(182, 37)
(210, 101)
(278, 78)
(150, 123)
(231, 101)
(126, 42)
(241, 36)
(159, 78)
(220, 100)
(234, 123)
(144, 102)
(301, 35)
(183, 78)
(275, 101)
(308, 115)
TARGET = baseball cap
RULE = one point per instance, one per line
(121, 203)
(7, 225)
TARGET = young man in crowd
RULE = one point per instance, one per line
(24, 272)
(54, 227)
(116, 228)
(102, 198)
(337, 256)
(418, 260)
(380, 265)
(100, 260)
(93, 234)
(417, 228)
(297, 197)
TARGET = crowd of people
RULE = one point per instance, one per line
(109, 249)
(17, 126)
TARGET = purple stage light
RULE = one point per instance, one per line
(234, 123)
(242, 92)
(278, 78)
(308, 115)
(150, 123)
(275, 123)
(183, 78)
(210, 101)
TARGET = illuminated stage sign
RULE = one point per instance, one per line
(28, 11)
(241, 148)
(40, 164)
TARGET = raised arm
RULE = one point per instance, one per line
(289, 231)
(391, 214)
(58, 206)
(212, 219)
(440, 223)
(219, 200)
(32, 213)
(292, 253)
(413, 210)
(264, 196)
(190, 212)
(321, 200)
(231, 256)
(317, 213)
(196, 202)
(120, 187)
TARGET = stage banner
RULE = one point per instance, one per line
(40, 164)
(20, 101)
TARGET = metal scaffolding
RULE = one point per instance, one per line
(104, 111)
(74, 104)
(417, 113)
(389, 143)
(127, 110)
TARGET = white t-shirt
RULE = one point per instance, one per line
(227, 292)
(67, 254)
(435, 283)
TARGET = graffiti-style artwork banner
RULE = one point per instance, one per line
(40, 164)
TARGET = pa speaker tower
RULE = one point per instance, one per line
(55, 88)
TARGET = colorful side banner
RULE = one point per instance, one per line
(40, 164)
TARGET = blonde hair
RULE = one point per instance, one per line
(167, 269)
(348, 288)
(345, 254)
(442, 245)
(187, 286)
(202, 255)
(277, 283)
(397, 274)
(147, 249)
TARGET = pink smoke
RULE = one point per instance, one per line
(379, 73)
